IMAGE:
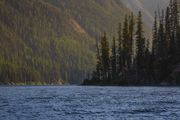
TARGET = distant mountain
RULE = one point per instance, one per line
(148, 7)
(50, 41)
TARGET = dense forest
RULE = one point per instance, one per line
(52, 41)
(133, 59)
(34, 49)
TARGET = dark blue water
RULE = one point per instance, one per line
(89, 103)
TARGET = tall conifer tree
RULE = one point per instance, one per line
(131, 36)
(105, 57)
(140, 42)
(120, 51)
(155, 37)
(98, 74)
(114, 60)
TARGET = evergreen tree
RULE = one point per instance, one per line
(153, 55)
(97, 75)
(176, 29)
(130, 43)
(140, 50)
(161, 38)
(125, 48)
(155, 37)
(140, 46)
(120, 51)
(167, 28)
(173, 29)
(148, 59)
(105, 58)
(175, 14)
(114, 60)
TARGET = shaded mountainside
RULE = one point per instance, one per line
(147, 7)
(47, 41)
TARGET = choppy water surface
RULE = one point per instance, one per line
(89, 103)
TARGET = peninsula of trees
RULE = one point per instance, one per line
(133, 59)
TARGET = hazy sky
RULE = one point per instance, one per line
(147, 7)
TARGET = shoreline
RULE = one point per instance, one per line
(90, 85)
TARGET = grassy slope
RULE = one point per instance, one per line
(48, 40)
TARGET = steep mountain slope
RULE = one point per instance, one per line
(47, 41)
(147, 7)
(95, 16)
(34, 42)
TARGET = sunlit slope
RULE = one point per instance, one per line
(52, 40)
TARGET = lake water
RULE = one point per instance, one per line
(89, 103)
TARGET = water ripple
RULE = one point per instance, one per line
(89, 103)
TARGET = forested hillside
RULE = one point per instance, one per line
(52, 41)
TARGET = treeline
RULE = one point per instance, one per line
(133, 59)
